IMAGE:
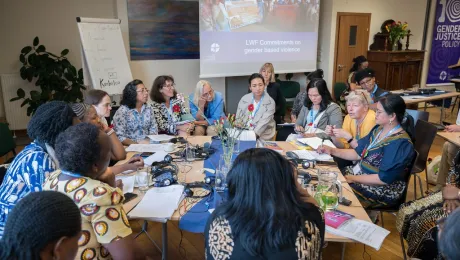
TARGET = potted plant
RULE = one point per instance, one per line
(55, 75)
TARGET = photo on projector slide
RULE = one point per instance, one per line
(237, 36)
(258, 15)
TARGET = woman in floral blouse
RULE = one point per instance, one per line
(168, 108)
(134, 120)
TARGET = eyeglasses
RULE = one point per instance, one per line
(209, 94)
(143, 90)
(172, 86)
(367, 82)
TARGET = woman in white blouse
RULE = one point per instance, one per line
(259, 107)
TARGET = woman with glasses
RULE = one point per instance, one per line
(359, 63)
(134, 120)
(318, 111)
(366, 79)
(416, 220)
(357, 123)
(299, 99)
(206, 106)
(168, 108)
(384, 156)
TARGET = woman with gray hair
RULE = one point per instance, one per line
(357, 124)
(206, 106)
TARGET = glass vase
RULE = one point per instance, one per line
(394, 46)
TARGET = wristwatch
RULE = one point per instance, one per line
(350, 140)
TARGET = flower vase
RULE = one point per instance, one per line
(394, 46)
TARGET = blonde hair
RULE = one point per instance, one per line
(268, 66)
(361, 96)
(199, 91)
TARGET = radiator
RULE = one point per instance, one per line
(16, 116)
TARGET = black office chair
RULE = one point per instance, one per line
(395, 208)
(418, 115)
(7, 143)
(424, 137)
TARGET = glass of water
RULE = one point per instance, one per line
(142, 178)
(236, 147)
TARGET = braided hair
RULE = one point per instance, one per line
(37, 220)
(49, 120)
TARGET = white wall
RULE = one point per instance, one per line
(186, 72)
(410, 11)
(53, 21)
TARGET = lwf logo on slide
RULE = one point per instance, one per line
(443, 75)
(215, 47)
(451, 9)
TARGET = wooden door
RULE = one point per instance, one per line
(352, 40)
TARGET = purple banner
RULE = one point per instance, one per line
(445, 49)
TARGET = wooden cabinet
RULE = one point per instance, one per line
(396, 69)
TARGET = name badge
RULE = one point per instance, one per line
(356, 169)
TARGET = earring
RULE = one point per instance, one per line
(391, 121)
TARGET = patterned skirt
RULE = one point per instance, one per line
(376, 196)
(416, 221)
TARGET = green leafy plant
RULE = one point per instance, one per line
(56, 77)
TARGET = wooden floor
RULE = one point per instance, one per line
(192, 245)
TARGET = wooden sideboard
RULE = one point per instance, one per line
(396, 69)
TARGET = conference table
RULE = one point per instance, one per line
(453, 137)
(196, 174)
(415, 99)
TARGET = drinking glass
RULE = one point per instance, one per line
(236, 147)
(142, 178)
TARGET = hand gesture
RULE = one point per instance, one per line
(299, 129)
(329, 130)
(324, 149)
(340, 133)
(452, 128)
(135, 162)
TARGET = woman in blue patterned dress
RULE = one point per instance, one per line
(29, 168)
(384, 156)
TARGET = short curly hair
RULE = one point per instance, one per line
(129, 97)
(49, 120)
(77, 148)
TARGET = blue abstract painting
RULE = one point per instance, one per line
(163, 30)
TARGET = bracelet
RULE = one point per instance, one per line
(110, 132)
(350, 140)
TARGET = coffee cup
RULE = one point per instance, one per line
(169, 147)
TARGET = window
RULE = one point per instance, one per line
(352, 37)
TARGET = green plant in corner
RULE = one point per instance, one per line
(56, 77)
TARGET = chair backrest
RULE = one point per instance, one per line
(7, 143)
(339, 88)
(418, 115)
(424, 137)
(290, 88)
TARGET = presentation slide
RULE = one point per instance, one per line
(237, 37)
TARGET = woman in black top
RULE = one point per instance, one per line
(273, 89)
(267, 214)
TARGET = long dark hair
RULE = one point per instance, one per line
(158, 83)
(129, 97)
(326, 98)
(264, 205)
(392, 103)
(357, 62)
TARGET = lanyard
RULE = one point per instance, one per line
(373, 92)
(71, 174)
(375, 141)
(358, 128)
(258, 104)
(140, 122)
(311, 117)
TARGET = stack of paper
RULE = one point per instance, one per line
(312, 155)
(315, 142)
(158, 203)
(144, 148)
(160, 138)
(156, 157)
(361, 231)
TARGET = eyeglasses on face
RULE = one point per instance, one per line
(366, 82)
(142, 90)
(209, 93)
